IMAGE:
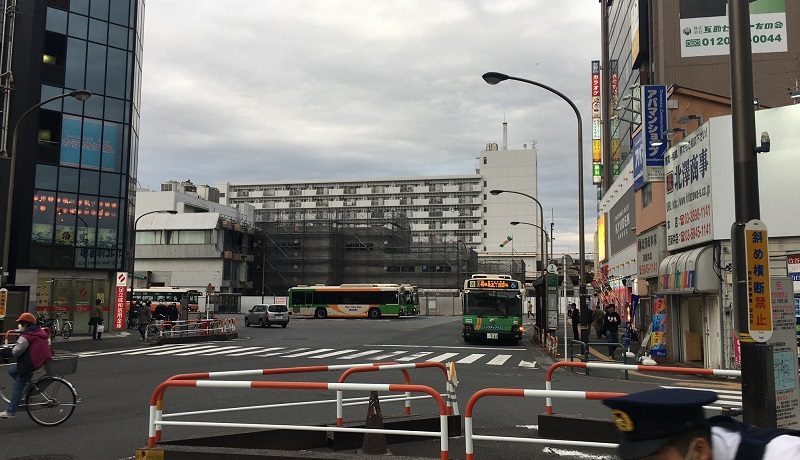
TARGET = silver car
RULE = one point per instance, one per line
(267, 315)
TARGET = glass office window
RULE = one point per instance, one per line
(71, 127)
(68, 180)
(117, 36)
(57, 20)
(87, 220)
(107, 218)
(90, 182)
(46, 177)
(118, 12)
(109, 184)
(78, 25)
(48, 92)
(98, 31)
(93, 107)
(112, 146)
(79, 6)
(76, 64)
(66, 210)
(96, 68)
(44, 211)
(115, 73)
(114, 109)
(91, 143)
(99, 9)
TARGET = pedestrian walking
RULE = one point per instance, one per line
(172, 312)
(96, 320)
(585, 323)
(575, 318)
(671, 424)
(133, 313)
(530, 309)
(145, 316)
(598, 317)
(611, 327)
(161, 313)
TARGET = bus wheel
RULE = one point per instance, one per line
(374, 313)
(320, 313)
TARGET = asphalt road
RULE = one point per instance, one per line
(117, 376)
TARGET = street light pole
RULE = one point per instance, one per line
(543, 246)
(80, 95)
(135, 223)
(541, 216)
(494, 78)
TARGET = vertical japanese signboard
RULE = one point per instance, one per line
(654, 126)
(119, 301)
(704, 27)
(615, 153)
(688, 191)
(637, 152)
(784, 357)
(597, 149)
(3, 302)
(759, 301)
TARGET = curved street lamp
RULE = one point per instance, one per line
(135, 223)
(541, 215)
(544, 241)
(80, 95)
(494, 78)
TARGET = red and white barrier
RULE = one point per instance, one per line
(631, 367)
(449, 390)
(155, 422)
(470, 437)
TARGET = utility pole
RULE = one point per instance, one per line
(758, 380)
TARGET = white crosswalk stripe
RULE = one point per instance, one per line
(459, 355)
(333, 353)
(498, 360)
(359, 355)
(726, 398)
(443, 357)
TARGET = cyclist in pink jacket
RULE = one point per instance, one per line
(32, 350)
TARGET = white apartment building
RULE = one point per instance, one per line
(204, 242)
(438, 208)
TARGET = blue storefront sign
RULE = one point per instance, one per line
(638, 161)
(654, 119)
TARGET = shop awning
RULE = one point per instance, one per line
(688, 272)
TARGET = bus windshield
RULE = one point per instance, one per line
(493, 303)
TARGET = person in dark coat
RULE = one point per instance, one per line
(172, 312)
(575, 319)
(96, 319)
(611, 328)
(586, 323)
(161, 313)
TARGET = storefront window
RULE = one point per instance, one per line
(107, 218)
(44, 211)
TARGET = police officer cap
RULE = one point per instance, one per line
(648, 420)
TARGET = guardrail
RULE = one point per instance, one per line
(449, 390)
(548, 380)
(157, 402)
(551, 342)
(8, 333)
(469, 436)
(340, 402)
(160, 331)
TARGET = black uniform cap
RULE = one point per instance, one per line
(648, 420)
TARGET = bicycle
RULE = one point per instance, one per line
(49, 398)
(55, 325)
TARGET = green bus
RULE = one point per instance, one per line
(492, 308)
(354, 301)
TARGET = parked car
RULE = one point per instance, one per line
(267, 315)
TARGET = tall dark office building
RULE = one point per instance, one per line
(74, 185)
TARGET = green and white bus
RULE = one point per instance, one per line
(354, 301)
(492, 308)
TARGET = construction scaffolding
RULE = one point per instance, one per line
(343, 247)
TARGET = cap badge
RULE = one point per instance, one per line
(622, 421)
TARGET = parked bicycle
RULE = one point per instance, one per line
(49, 398)
(56, 326)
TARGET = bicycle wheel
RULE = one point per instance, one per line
(50, 401)
(66, 330)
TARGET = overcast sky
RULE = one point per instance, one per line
(334, 89)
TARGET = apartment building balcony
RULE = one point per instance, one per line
(308, 204)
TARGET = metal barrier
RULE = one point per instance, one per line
(548, 380)
(469, 437)
(8, 333)
(368, 367)
(538, 335)
(165, 330)
(157, 403)
(551, 341)
(449, 391)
